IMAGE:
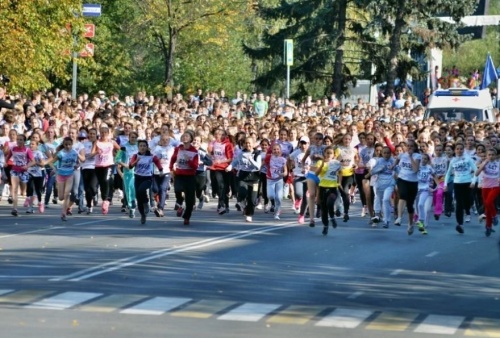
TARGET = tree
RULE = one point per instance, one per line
(35, 42)
(166, 20)
(408, 26)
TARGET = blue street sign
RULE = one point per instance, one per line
(91, 10)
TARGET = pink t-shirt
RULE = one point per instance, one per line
(21, 156)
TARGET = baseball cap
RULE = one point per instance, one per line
(304, 139)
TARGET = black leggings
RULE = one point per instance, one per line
(408, 192)
(105, 180)
(359, 183)
(142, 184)
(327, 197)
(249, 191)
(263, 187)
(221, 179)
(200, 183)
(185, 184)
(463, 200)
(346, 183)
(35, 186)
(90, 185)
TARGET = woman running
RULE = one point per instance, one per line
(348, 157)
(36, 176)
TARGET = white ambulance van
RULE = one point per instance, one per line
(458, 104)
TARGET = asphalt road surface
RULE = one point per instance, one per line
(108, 276)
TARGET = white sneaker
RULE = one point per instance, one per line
(259, 206)
(397, 222)
(482, 218)
(276, 216)
(248, 219)
(206, 198)
(296, 211)
(363, 212)
(467, 218)
(266, 209)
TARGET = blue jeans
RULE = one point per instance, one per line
(51, 184)
(275, 192)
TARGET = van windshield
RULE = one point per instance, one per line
(455, 114)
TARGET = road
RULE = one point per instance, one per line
(108, 276)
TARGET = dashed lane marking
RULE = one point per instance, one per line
(392, 321)
(438, 324)
(156, 306)
(64, 300)
(249, 312)
(345, 318)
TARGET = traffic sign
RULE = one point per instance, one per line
(288, 51)
(91, 10)
(89, 30)
(88, 51)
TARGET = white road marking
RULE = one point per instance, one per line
(134, 260)
(432, 254)
(90, 222)
(355, 295)
(156, 306)
(249, 312)
(5, 291)
(345, 318)
(32, 232)
(438, 324)
(396, 272)
(64, 300)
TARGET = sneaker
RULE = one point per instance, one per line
(80, 211)
(481, 218)
(105, 207)
(248, 219)
(325, 231)
(69, 212)
(89, 210)
(333, 222)
(63, 218)
(143, 219)
(337, 213)
(177, 206)
(301, 219)
(386, 225)
(206, 199)
(376, 219)
(14, 212)
(297, 203)
(259, 206)
(221, 211)
(226, 210)
(346, 217)
(237, 206)
(180, 211)
(276, 216)
(410, 230)
(30, 210)
(312, 224)
(447, 214)
(200, 204)
(424, 232)
(488, 232)
(318, 212)
(41, 208)
(495, 221)
(266, 208)
(415, 218)
(131, 213)
(460, 229)
(420, 226)
(186, 221)
(296, 211)
(54, 200)
(363, 212)
(436, 217)
(271, 209)
(467, 218)
(10, 200)
(123, 209)
(157, 212)
(397, 222)
(26, 202)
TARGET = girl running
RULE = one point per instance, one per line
(276, 170)
(329, 171)
(490, 170)
(463, 168)
(36, 176)
(127, 150)
(20, 157)
(426, 184)
(222, 153)
(67, 160)
(201, 173)
(143, 163)
(161, 183)
(348, 157)
(184, 163)
(384, 186)
(440, 166)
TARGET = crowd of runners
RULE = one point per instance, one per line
(251, 152)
